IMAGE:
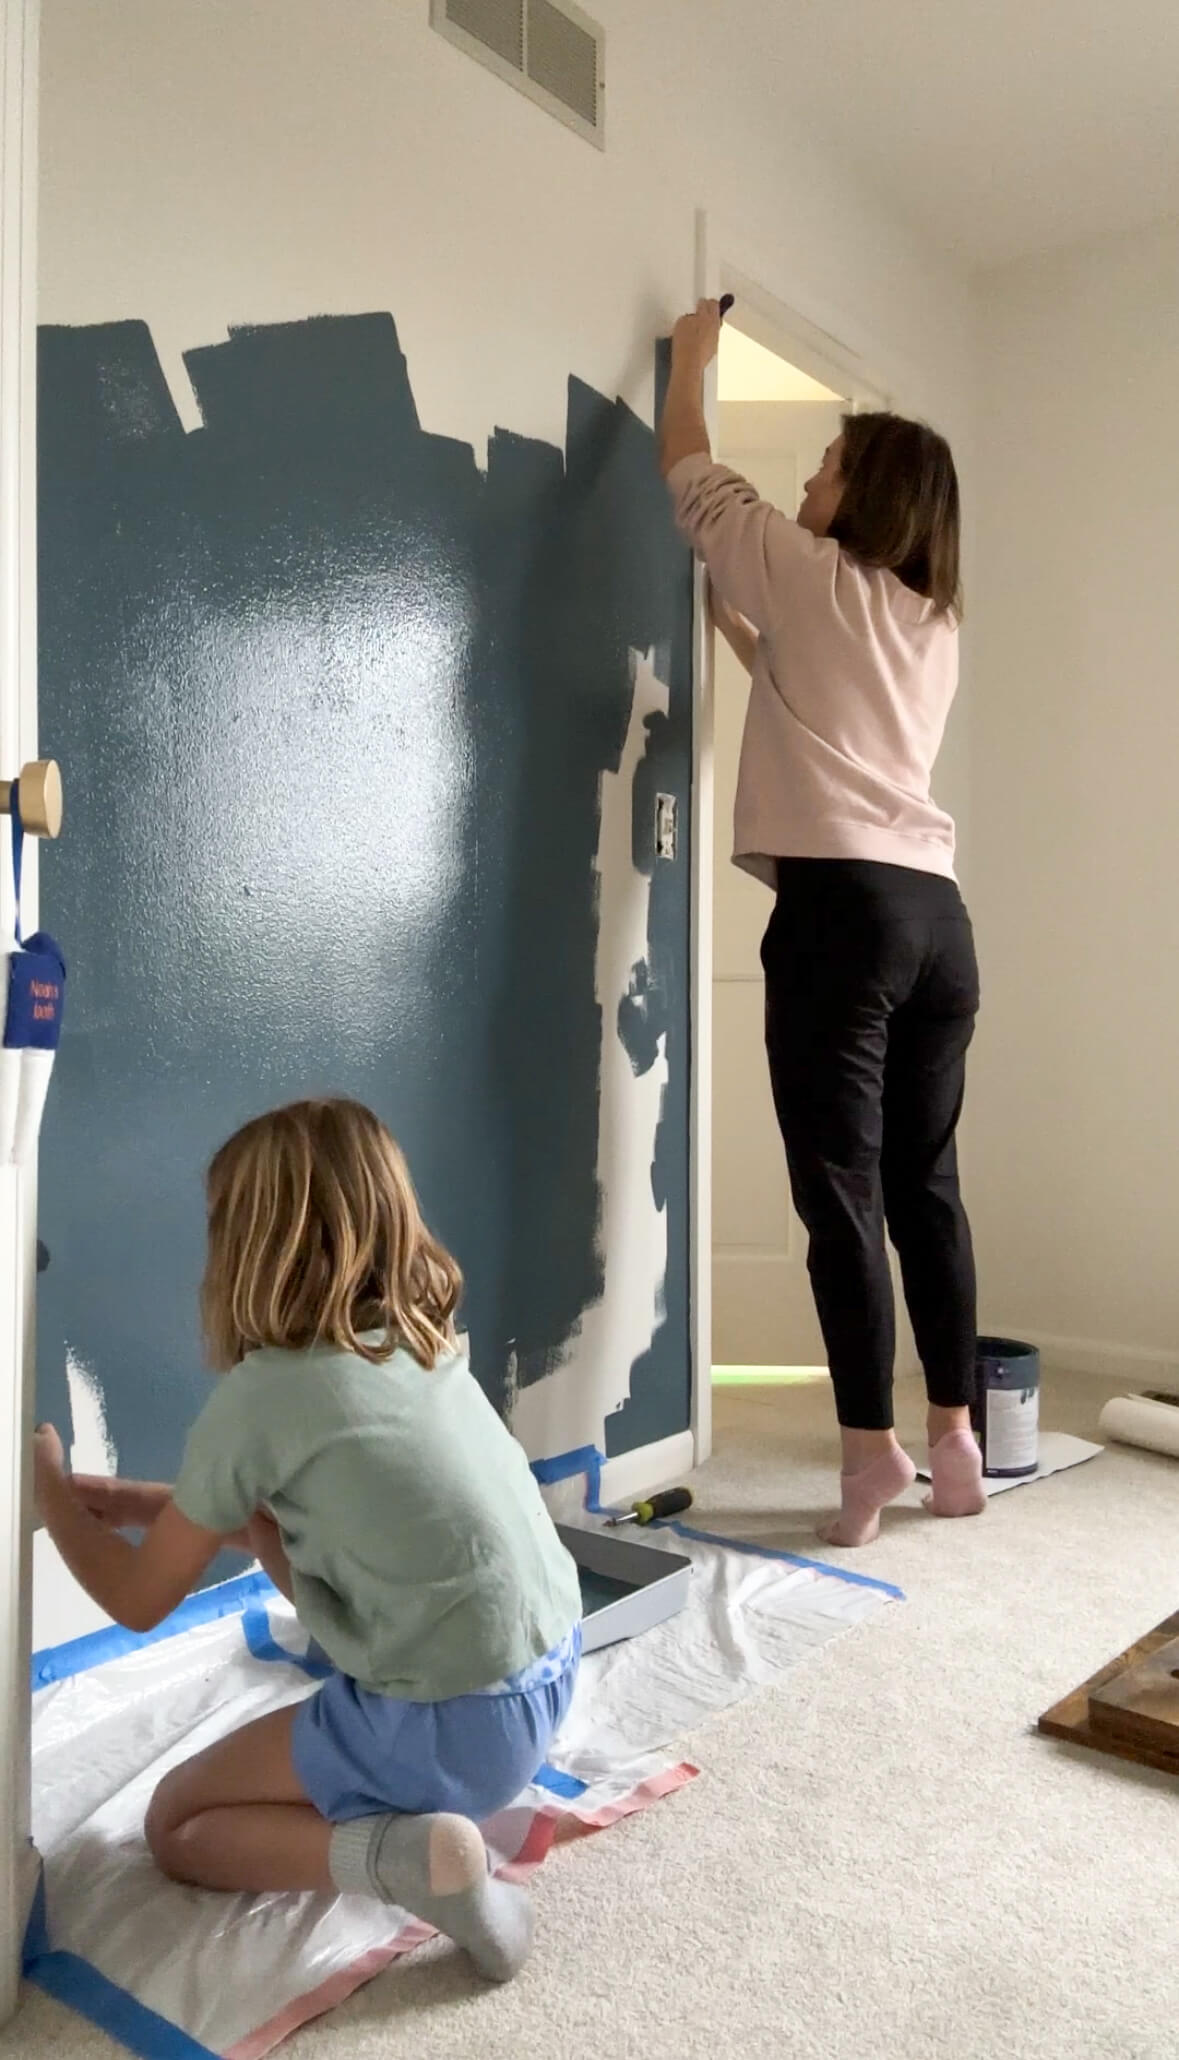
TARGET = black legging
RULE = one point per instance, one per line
(871, 998)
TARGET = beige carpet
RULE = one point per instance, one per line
(879, 1862)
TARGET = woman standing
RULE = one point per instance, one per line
(847, 620)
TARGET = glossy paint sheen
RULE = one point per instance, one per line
(334, 708)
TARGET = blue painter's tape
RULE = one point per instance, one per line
(61, 1662)
(81, 1987)
(587, 1460)
(819, 1566)
(565, 1785)
(37, 1929)
(262, 1644)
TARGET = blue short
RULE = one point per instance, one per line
(358, 1754)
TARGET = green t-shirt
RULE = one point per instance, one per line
(424, 1560)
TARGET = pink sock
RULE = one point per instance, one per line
(955, 1464)
(864, 1496)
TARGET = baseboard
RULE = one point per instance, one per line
(1137, 1365)
(641, 1472)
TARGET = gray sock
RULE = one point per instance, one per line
(436, 1868)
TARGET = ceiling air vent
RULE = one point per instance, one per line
(548, 49)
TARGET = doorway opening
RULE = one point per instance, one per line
(774, 422)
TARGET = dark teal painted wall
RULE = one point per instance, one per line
(253, 637)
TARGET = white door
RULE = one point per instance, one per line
(762, 1312)
(18, 633)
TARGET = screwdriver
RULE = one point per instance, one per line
(672, 1502)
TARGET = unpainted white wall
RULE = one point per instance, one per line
(267, 157)
(1074, 1120)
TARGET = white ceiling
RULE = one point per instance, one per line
(999, 127)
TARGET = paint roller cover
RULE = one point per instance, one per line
(1142, 1420)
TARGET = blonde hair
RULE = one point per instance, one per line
(316, 1237)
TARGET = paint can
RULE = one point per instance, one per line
(1006, 1412)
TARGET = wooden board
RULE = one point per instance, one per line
(1071, 1719)
(1142, 1704)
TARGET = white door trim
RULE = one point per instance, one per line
(19, 27)
(818, 338)
(700, 970)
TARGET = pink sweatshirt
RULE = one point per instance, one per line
(852, 685)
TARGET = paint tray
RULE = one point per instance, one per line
(625, 1587)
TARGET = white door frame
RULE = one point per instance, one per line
(700, 968)
(19, 27)
(724, 266)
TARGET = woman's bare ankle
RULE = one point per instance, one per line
(865, 1490)
(940, 1422)
(859, 1449)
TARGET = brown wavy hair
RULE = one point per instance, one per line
(900, 507)
(316, 1237)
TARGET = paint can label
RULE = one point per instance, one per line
(1012, 1430)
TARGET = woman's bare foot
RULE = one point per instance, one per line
(955, 1466)
(867, 1489)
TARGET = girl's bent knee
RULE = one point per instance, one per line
(171, 1849)
(163, 1827)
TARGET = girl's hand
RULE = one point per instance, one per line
(48, 1463)
(121, 1505)
(48, 1451)
(696, 337)
(98, 1494)
(135, 1584)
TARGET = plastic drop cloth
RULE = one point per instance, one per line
(178, 1973)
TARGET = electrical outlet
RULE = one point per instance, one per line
(666, 835)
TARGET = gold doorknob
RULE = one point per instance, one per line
(40, 797)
